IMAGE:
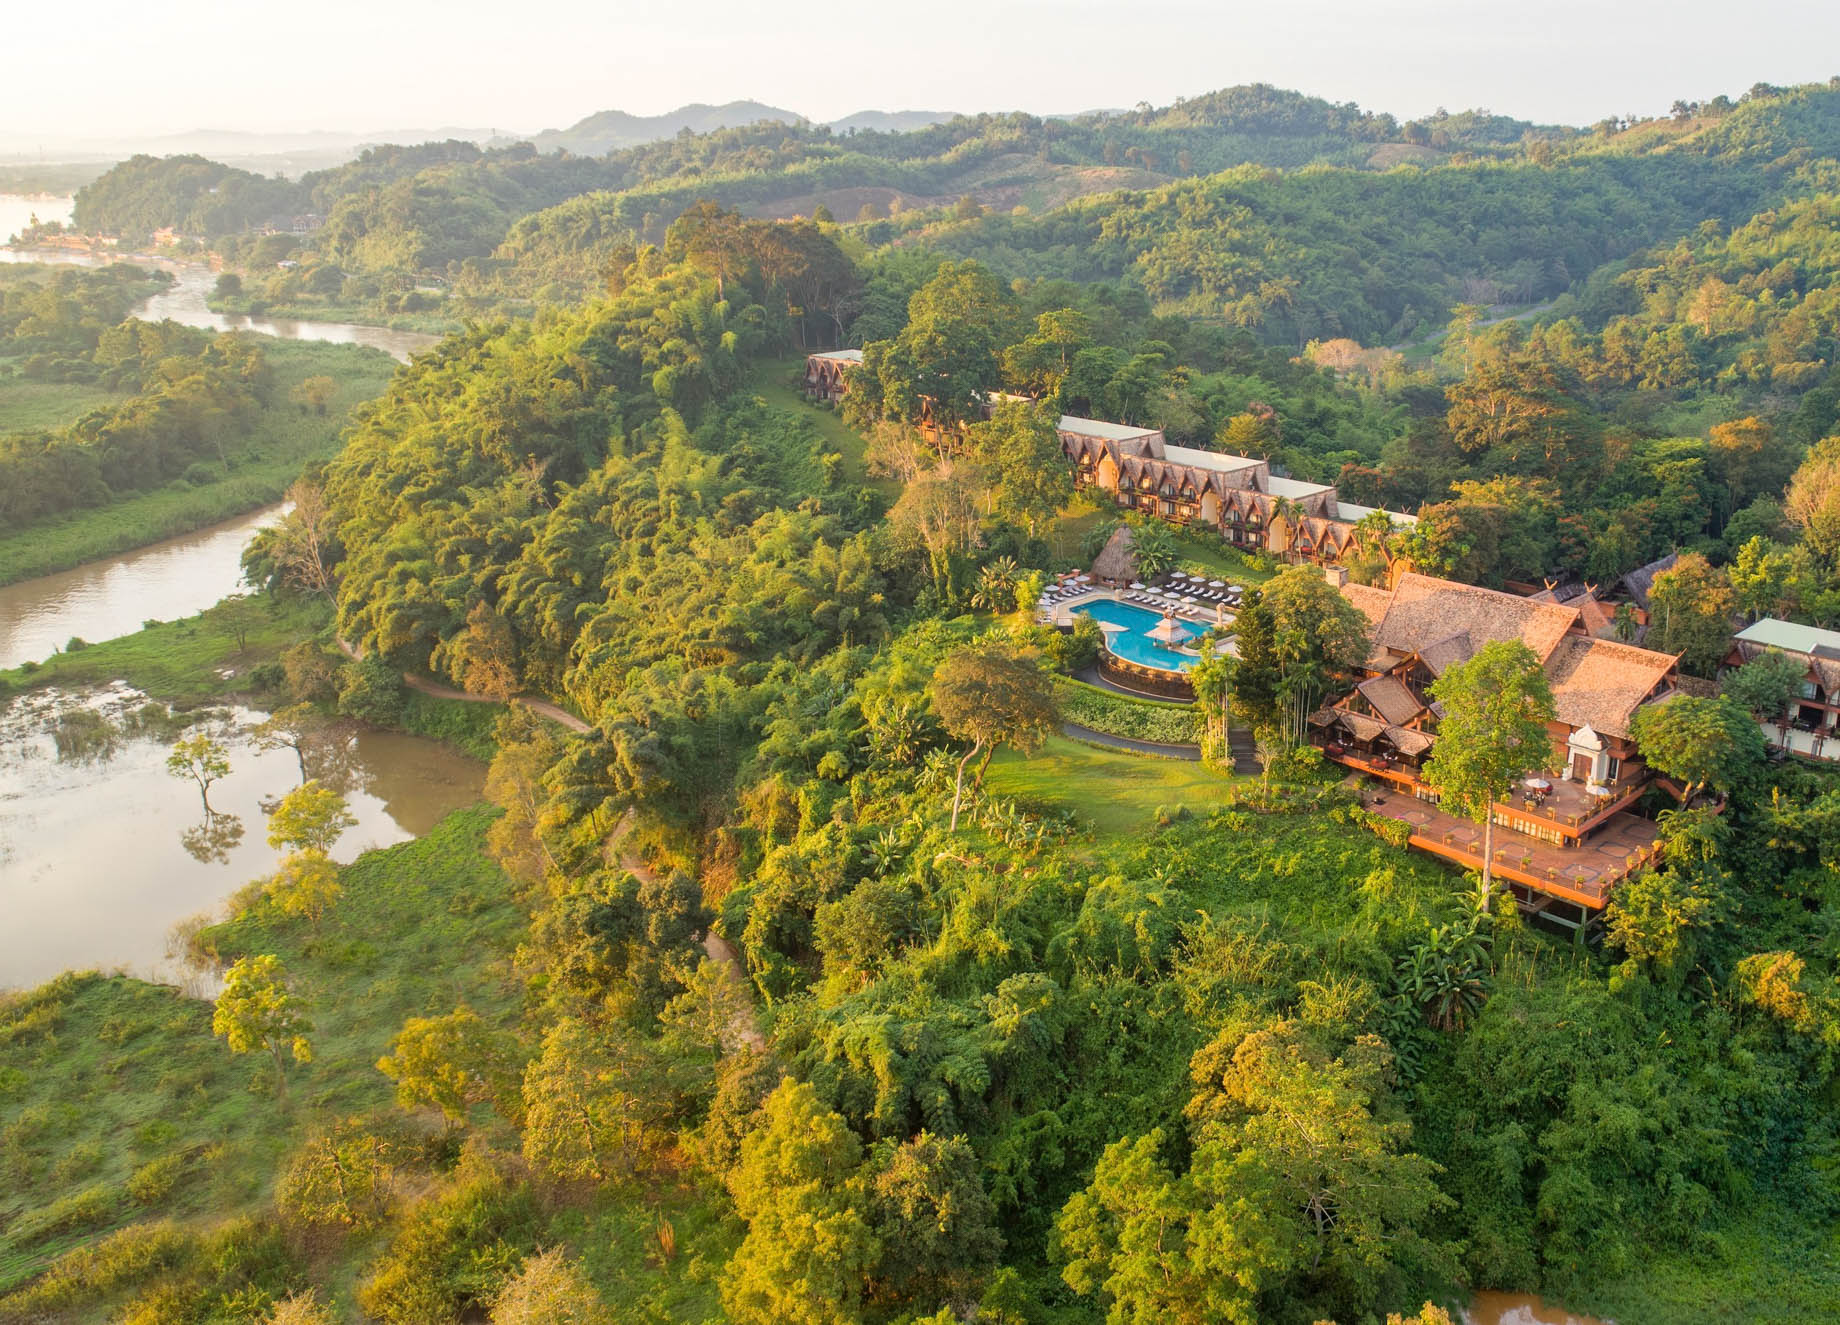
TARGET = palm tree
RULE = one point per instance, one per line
(996, 585)
(1447, 976)
(1290, 512)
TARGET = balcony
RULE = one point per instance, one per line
(1582, 873)
(1567, 811)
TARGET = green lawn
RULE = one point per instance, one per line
(771, 385)
(1109, 790)
(1220, 561)
(31, 406)
(283, 439)
(181, 662)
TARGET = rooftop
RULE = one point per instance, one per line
(1116, 432)
(1189, 455)
(1774, 633)
(1295, 489)
(843, 356)
(1426, 611)
(1353, 514)
(1601, 683)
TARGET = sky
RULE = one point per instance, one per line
(128, 70)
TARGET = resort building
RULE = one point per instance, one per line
(1570, 834)
(1237, 496)
(1811, 726)
(824, 373)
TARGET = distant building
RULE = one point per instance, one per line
(1235, 495)
(1811, 726)
(1565, 846)
(824, 373)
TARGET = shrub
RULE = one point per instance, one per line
(129, 1256)
(153, 1181)
(372, 691)
(78, 1212)
(1120, 715)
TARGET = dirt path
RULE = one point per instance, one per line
(439, 691)
(720, 950)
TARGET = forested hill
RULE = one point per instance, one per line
(735, 149)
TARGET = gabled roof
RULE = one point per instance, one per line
(1600, 683)
(1441, 656)
(1640, 580)
(1117, 560)
(1391, 699)
(1425, 611)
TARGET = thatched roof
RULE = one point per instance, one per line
(1117, 560)
(1409, 741)
(1391, 699)
(1600, 683)
(1640, 580)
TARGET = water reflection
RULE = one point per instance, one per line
(101, 600)
(1520, 1309)
(100, 857)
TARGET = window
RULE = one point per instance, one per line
(1169, 507)
(1615, 769)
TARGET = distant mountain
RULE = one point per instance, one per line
(606, 130)
(891, 121)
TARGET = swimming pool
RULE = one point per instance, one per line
(1133, 643)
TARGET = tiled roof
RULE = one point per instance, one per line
(1601, 683)
(1409, 741)
(1425, 611)
(1441, 656)
(1371, 602)
(1390, 699)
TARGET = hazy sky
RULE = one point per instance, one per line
(109, 68)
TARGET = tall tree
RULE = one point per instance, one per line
(256, 1011)
(1020, 449)
(1690, 607)
(1701, 743)
(990, 694)
(1493, 732)
(1298, 638)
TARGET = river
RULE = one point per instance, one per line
(102, 851)
(103, 599)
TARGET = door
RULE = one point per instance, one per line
(1581, 767)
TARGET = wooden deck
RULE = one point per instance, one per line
(1582, 872)
(1568, 808)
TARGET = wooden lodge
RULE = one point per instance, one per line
(1236, 496)
(1811, 724)
(1564, 847)
(825, 373)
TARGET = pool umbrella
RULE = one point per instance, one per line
(1217, 584)
(1137, 584)
(1167, 631)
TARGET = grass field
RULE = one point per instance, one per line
(1109, 790)
(181, 662)
(31, 406)
(101, 1076)
(284, 439)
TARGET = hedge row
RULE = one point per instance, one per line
(1121, 715)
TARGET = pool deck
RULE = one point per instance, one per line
(1061, 613)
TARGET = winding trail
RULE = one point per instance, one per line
(743, 1027)
(553, 712)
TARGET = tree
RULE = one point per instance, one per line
(1690, 610)
(810, 1246)
(1153, 546)
(1020, 446)
(338, 1179)
(550, 1289)
(1813, 499)
(591, 1099)
(321, 746)
(309, 818)
(201, 758)
(990, 694)
(302, 547)
(1700, 743)
(1298, 638)
(1496, 708)
(938, 514)
(256, 1012)
(1294, 1172)
(314, 394)
(947, 353)
(1213, 679)
(996, 586)
(1768, 579)
(305, 885)
(1766, 685)
(933, 1219)
(482, 658)
(451, 1063)
(242, 613)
